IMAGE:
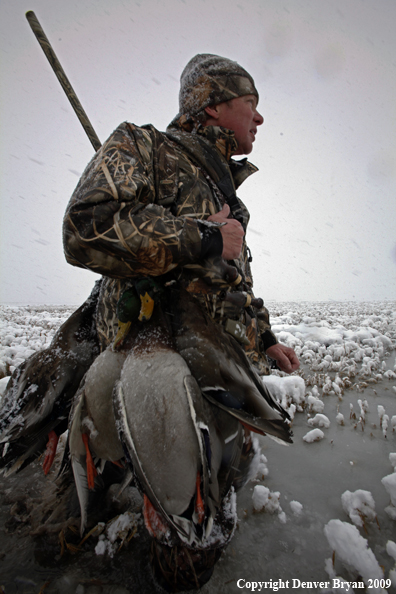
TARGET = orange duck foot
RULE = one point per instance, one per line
(199, 504)
(91, 470)
(153, 520)
(50, 451)
(118, 463)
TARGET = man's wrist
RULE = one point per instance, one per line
(268, 339)
(211, 241)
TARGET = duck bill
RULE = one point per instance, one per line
(123, 329)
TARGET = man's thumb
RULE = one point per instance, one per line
(225, 211)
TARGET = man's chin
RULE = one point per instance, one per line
(243, 151)
(244, 148)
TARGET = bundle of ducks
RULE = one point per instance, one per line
(172, 402)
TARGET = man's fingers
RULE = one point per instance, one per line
(221, 216)
(295, 363)
(232, 234)
(285, 357)
(225, 210)
(284, 364)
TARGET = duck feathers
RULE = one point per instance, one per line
(223, 371)
(40, 391)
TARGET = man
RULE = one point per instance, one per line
(157, 215)
(171, 180)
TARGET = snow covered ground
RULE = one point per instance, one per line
(322, 510)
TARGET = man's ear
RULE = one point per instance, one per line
(213, 111)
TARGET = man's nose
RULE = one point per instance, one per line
(258, 118)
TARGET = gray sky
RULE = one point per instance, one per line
(323, 205)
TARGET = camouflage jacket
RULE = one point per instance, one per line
(138, 211)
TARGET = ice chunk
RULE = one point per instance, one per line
(314, 435)
(262, 468)
(359, 505)
(287, 390)
(319, 421)
(391, 549)
(264, 500)
(315, 405)
(352, 549)
(296, 508)
(381, 412)
(389, 483)
(282, 517)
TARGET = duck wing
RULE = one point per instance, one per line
(92, 426)
(40, 391)
(78, 455)
(223, 371)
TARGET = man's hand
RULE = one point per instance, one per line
(232, 233)
(285, 357)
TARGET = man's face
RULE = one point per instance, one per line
(241, 116)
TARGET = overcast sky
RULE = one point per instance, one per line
(323, 204)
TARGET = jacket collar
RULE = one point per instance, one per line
(216, 136)
(206, 149)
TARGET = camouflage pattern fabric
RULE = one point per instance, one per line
(208, 79)
(134, 213)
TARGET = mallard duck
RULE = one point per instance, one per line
(136, 304)
(93, 432)
(184, 398)
(37, 401)
(223, 371)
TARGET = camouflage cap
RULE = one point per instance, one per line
(209, 79)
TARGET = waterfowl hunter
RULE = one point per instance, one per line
(175, 392)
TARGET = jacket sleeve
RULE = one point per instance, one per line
(113, 224)
(268, 338)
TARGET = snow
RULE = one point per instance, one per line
(389, 483)
(359, 506)
(296, 507)
(351, 548)
(117, 531)
(319, 420)
(314, 435)
(392, 459)
(346, 351)
(262, 467)
(264, 500)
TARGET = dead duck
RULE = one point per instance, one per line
(185, 453)
(93, 438)
(188, 447)
(223, 372)
(35, 407)
(197, 456)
